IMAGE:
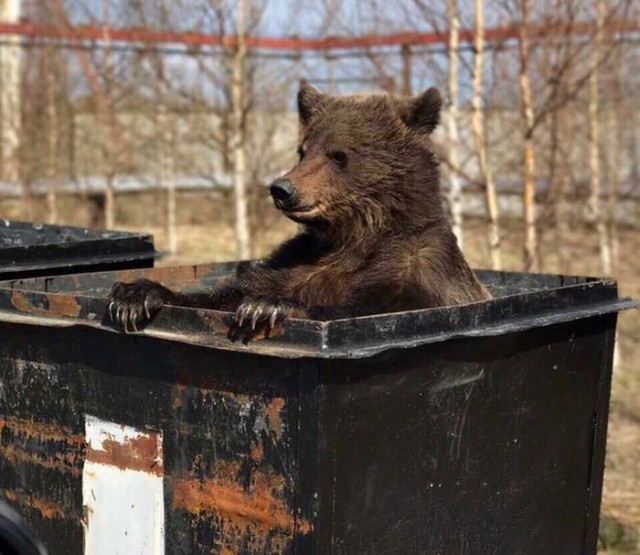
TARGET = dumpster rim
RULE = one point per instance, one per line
(327, 352)
(97, 247)
(318, 339)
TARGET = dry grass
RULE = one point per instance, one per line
(206, 235)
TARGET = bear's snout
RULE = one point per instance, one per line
(284, 193)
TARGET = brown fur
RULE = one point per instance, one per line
(374, 237)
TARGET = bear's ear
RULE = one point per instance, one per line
(310, 101)
(421, 113)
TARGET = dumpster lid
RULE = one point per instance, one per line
(28, 247)
(521, 302)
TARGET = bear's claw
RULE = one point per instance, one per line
(132, 304)
(262, 315)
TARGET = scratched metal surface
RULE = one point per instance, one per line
(28, 250)
(350, 437)
(472, 444)
(521, 301)
(229, 426)
(487, 445)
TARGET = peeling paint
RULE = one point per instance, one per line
(68, 463)
(178, 396)
(257, 511)
(123, 446)
(273, 412)
(214, 321)
(41, 430)
(46, 508)
(122, 490)
(59, 305)
(29, 441)
(257, 452)
(140, 453)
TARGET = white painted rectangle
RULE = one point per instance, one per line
(122, 490)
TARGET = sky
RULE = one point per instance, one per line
(316, 18)
(289, 18)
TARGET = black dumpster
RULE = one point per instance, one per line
(471, 429)
(30, 250)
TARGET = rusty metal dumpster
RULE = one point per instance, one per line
(30, 250)
(469, 429)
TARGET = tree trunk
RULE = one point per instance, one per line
(52, 149)
(406, 70)
(613, 193)
(616, 156)
(9, 94)
(167, 161)
(479, 132)
(169, 175)
(455, 183)
(561, 210)
(238, 138)
(596, 214)
(109, 196)
(531, 262)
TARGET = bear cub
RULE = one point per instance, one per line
(373, 238)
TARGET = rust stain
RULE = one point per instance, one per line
(64, 462)
(257, 452)
(256, 510)
(214, 320)
(237, 398)
(65, 305)
(45, 431)
(140, 453)
(178, 394)
(47, 509)
(59, 305)
(230, 501)
(182, 380)
(274, 410)
(10, 494)
(42, 443)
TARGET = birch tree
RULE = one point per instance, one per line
(455, 183)
(615, 156)
(53, 131)
(167, 161)
(238, 141)
(9, 94)
(101, 79)
(596, 213)
(108, 121)
(530, 254)
(560, 179)
(479, 132)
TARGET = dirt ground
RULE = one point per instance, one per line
(205, 234)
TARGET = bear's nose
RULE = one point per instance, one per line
(284, 193)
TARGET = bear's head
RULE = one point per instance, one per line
(365, 164)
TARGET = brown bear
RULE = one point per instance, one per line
(374, 237)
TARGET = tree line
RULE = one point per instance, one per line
(539, 94)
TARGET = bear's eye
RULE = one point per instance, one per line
(339, 158)
(300, 152)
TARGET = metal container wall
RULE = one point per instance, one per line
(470, 429)
(30, 250)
